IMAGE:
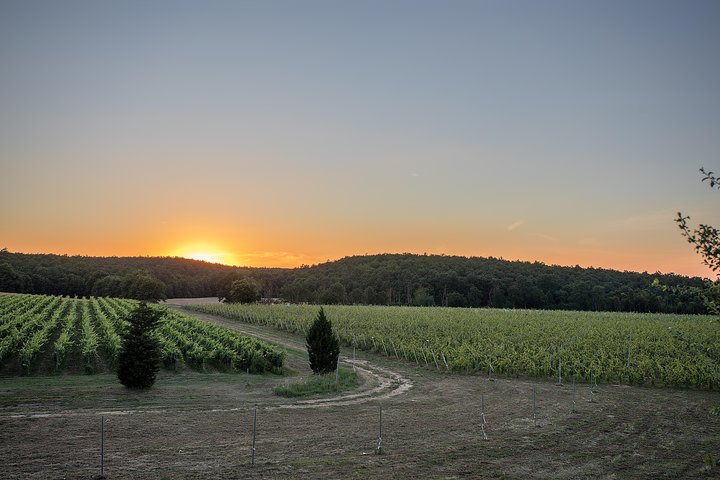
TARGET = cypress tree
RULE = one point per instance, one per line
(322, 345)
(139, 359)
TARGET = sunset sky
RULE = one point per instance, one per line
(280, 133)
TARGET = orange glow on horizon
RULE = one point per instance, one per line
(204, 257)
(247, 254)
(206, 252)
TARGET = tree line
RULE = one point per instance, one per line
(386, 279)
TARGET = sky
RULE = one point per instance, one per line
(281, 133)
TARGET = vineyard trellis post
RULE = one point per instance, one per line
(628, 357)
(559, 373)
(395, 349)
(573, 396)
(437, 366)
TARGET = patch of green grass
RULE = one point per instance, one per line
(321, 384)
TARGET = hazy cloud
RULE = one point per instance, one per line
(515, 225)
(662, 217)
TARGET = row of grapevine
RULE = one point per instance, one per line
(88, 337)
(197, 339)
(669, 350)
(14, 303)
(64, 341)
(111, 341)
(89, 329)
(37, 340)
(26, 324)
(16, 318)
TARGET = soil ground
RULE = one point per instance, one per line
(196, 426)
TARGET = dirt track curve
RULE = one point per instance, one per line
(380, 383)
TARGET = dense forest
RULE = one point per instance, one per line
(387, 279)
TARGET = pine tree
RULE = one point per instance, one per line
(322, 345)
(139, 359)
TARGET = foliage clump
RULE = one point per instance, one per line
(244, 290)
(322, 345)
(706, 240)
(137, 284)
(139, 359)
(346, 379)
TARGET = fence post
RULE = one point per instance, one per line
(482, 415)
(102, 446)
(378, 450)
(534, 414)
(254, 432)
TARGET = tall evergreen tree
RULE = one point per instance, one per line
(322, 345)
(139, 359)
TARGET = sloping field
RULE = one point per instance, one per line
(46, 334)
(638, 349)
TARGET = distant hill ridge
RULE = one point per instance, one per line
(383, 279)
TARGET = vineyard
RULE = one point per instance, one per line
(640, 349)
(51, 333)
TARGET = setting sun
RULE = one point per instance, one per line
(205, 257)
(206, 253)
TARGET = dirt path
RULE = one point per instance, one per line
(380, 383)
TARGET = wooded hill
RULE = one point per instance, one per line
(387, 279)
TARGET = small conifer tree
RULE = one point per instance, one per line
(322, 345)
(139, 359)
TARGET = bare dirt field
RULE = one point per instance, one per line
(196, 426)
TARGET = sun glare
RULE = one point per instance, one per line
(205, 257)
(205, 253)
